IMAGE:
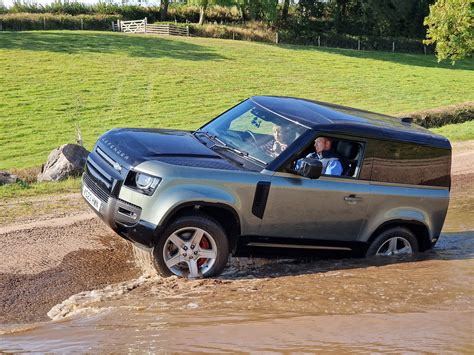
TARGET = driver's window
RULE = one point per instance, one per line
(348, 154)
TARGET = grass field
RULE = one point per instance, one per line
(50, 81)
(457, 132)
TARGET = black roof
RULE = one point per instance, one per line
(333, 118)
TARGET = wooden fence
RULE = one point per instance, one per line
(142, 26)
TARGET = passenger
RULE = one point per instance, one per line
(329, 159)
(282, 138)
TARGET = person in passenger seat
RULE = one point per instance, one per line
(329, 159)
(281, 139)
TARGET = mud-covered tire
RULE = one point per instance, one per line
(393, 241)
(183, 231)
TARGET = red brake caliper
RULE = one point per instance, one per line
(204, 244)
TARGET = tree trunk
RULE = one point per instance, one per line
(284, 11)
(202, 11)
(164, 9)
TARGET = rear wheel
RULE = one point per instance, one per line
(192, 246)
(392, 242)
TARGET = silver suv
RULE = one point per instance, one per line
(247, 179)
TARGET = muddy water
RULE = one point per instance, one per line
(422, 304)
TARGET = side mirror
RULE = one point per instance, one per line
(311, 168)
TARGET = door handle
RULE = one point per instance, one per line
(352, 199)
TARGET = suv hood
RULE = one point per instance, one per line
(132, 146)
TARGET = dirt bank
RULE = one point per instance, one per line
(43, 265)
(462, 167)
(53, 247)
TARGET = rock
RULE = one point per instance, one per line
(7, 178)
(67, 160)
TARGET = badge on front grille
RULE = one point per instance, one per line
(117, 166)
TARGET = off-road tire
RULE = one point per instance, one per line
(391, 233)
(204, 222)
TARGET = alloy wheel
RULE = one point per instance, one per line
(395, 246)
(190, 252)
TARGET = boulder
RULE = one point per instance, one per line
(67, 160)
(7, 178)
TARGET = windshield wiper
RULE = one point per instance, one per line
(237, 151)
(206, 134)
(218, 143)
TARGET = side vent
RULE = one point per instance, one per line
(260, 199)
(408, 120)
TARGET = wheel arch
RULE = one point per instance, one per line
(419, 230)
(222, 213)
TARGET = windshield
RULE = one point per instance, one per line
(255, 131)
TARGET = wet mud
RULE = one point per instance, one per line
(55, 263)
(78, 282)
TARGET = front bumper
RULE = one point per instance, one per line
(121, 216)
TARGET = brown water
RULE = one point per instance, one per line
(415, 304)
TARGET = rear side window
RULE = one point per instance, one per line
(407, 163)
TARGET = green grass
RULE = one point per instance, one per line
(21, 190)
(49, 81)
(457, 132)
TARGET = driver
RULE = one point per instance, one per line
(329, 159)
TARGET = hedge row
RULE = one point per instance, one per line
(331, 39)
(258, 32)
(441, 116)
(28, 22)
(251, 32)
(214, 14)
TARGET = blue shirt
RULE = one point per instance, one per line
(334, 167)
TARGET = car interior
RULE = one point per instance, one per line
(349, 153)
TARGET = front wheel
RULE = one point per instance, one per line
(192, 246)
(393, 241)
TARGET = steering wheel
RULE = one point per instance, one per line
(250, 133)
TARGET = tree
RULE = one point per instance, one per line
(450, 27)
(204, 4)
(284, 10)
(164, 9)
(266, 10)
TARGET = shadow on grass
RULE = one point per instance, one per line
(96, 42)
(411, 59)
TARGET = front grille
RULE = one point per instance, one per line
(96, 189)
(106, 157)
(99, 174)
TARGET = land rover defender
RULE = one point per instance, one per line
(193, 197)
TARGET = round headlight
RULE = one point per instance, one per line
(144, 181)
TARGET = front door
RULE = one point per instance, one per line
(328, 208)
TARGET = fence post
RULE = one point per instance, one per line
(358, 45)
(146, 22)
(393, 46)
(424, 47)
(44, 23)
(1, 26)
(319, 41)
(82, 24)
(233, 35)
(276, 37)
(187, 31)
(119, 27)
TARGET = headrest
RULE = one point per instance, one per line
(347, 150)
